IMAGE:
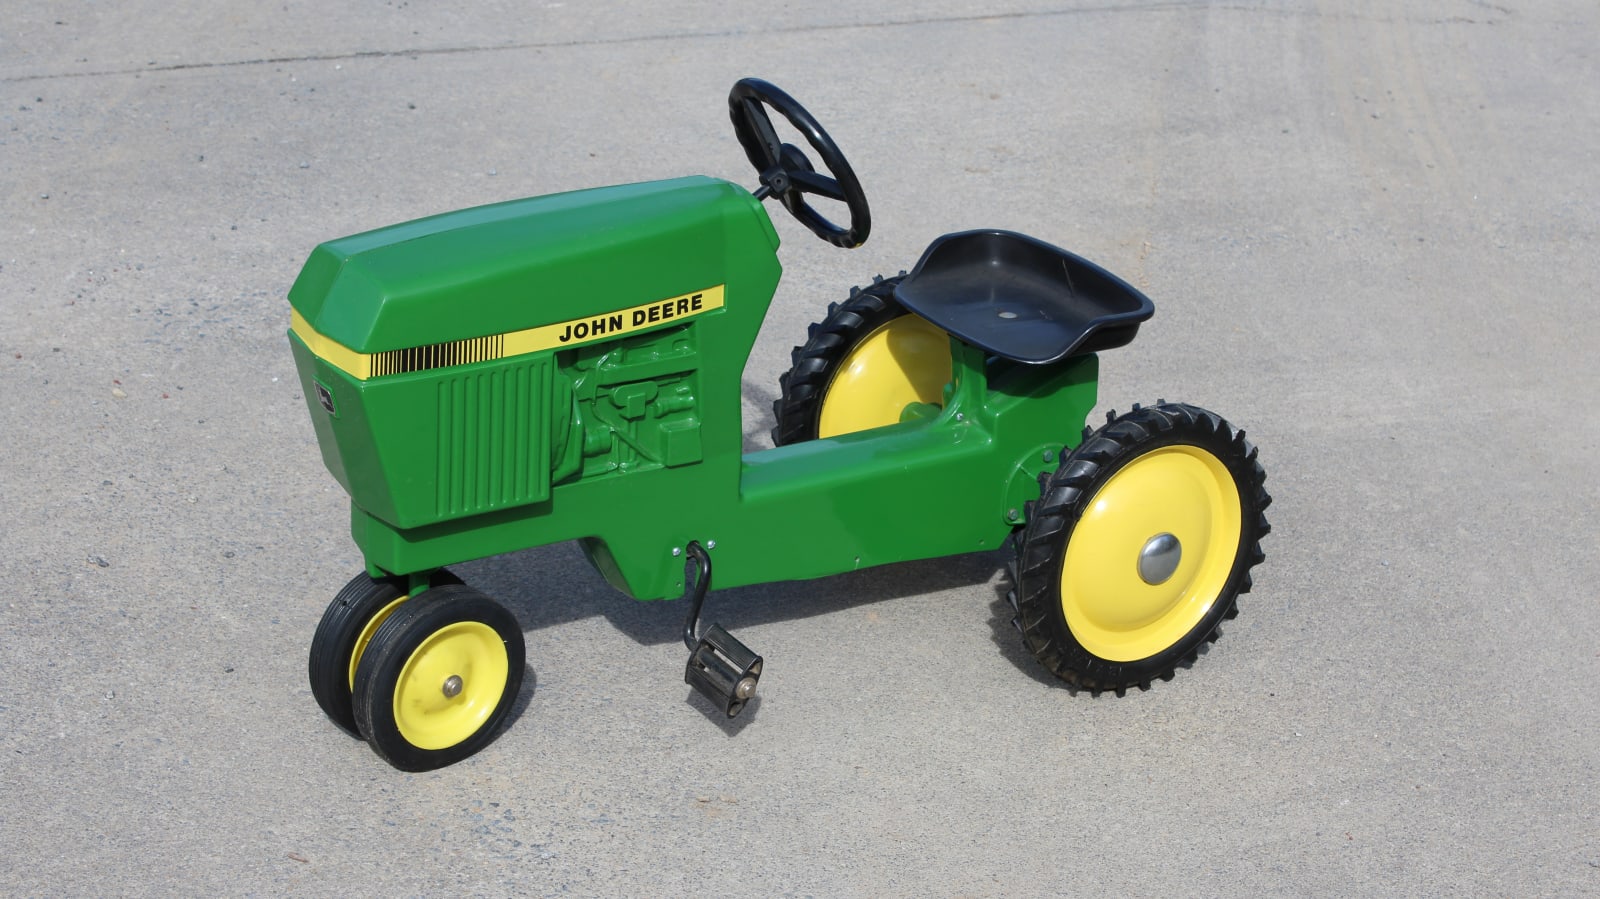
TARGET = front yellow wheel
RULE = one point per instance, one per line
(343, 634)
(450, 685)
(1139, 547)
(364, 637)
(439, 678)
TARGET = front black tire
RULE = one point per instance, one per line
(1139, 547)
(439, 678)
(343, 633)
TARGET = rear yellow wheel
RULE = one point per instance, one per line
(439, 678)
(1139, 547)
(903, 361)
(1151, 553)
(864, 366)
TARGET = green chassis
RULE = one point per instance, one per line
(630, 442)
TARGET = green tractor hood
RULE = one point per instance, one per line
(524, 263)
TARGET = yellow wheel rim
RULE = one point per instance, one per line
(903, 361)
(365, 637)
(1177, 505)
(450, 685)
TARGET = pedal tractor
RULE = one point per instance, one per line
(568, 368)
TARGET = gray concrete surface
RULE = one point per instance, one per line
(1370, 229)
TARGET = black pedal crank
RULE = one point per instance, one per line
(721, 668)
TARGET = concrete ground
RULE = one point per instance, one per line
(1370, 229)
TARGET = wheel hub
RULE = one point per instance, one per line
(452, 686)
(1159, 559)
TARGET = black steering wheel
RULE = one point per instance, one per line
(785, 171)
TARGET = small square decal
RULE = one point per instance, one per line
(325, 397)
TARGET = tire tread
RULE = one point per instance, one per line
(1041, 545)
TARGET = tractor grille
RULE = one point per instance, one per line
(438, 355)
(494, 438)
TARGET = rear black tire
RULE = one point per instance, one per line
(806, 387)
(1162, 511)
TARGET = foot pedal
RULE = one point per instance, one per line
(724, 670)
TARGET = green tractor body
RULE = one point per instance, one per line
(569, 367)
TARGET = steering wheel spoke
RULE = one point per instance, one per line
(786, 172)
(766, 137)
(821, 185)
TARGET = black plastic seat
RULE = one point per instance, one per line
(1013, 296)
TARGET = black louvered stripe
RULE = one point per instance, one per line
(438, 355)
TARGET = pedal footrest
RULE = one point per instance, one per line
(723, 670)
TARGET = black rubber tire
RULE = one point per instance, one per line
(335, 639)
(1071, 490)
(801, 389)
(405, 631)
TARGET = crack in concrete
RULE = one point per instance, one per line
(1177, 6)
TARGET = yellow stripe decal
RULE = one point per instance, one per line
(571, 333)
(356, 365)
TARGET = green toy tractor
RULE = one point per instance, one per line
(568, 368)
